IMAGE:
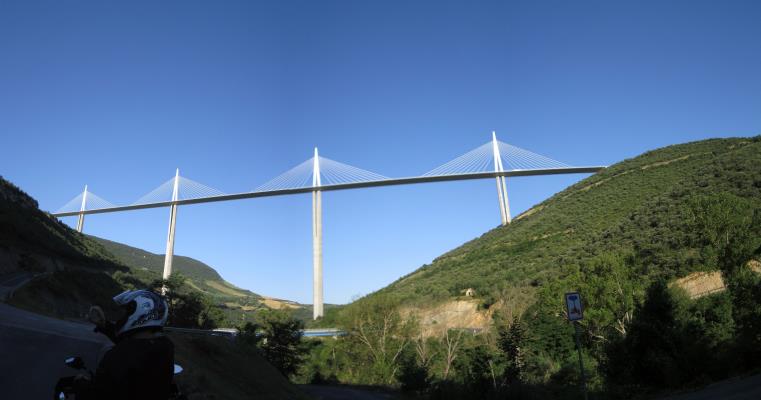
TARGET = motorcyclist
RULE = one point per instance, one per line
(140, 365)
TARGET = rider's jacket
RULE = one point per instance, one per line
(136, 369)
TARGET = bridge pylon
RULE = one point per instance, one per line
(81, 219)
(504, 203)
(169, 256)
(317, 309)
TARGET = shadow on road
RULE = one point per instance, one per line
(327, 392)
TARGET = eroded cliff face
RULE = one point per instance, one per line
(455, 314)
(699, 284)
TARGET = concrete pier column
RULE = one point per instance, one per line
(81, 219)
(169, 256)
(502, 180)
(317, 310)
(502, 213)
(504, 204)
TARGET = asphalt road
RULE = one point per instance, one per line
(9, 282)
(33, 348)
(744, 388)
(327, 392)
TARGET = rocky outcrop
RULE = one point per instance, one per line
(699, 284)
(455, 314)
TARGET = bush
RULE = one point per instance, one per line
(188, 308)
(280, 341)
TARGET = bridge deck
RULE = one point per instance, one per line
(344, 186)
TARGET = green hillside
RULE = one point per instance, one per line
(632, 208)
(199, 275)
(191, 268)
(620, 238)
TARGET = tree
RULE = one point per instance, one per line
(412, 375)
(610, 292)
(512, 341)
(378, 329)
(745, 290)
(650, 353)
(475, 370)
(188, 308)
(728, 228)
(452, 341)
(280, 341)
(249, 334)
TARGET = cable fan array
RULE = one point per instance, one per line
(331, 173)
(92, 202)
(481, 159)
(186, 189)
(478, 160)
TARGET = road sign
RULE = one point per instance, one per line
(575, 313)
(573, 305)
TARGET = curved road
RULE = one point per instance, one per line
(32, 350)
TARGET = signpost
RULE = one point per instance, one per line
(575, 314)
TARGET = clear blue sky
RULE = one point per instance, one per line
(118, 95)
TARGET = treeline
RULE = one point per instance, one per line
(640, 335)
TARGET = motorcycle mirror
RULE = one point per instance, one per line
(177, 369)
(75, 362)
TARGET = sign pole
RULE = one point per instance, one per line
(581, 363)
(575, 312)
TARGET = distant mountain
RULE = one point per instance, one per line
(202, 277)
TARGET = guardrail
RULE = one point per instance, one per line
(223, 332)
(232, 333)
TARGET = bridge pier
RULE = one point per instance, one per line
(169, 256)
(504, 204)
(81, 219)
(317, 302)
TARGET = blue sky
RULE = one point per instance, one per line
(117, 96)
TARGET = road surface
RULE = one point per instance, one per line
(32, 350)
(744, 388)
(327, 392)
(12, 281)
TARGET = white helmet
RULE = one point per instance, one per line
(143, 309)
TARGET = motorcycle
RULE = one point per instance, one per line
(74, 387)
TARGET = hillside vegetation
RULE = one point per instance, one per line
(619, 237)
(633, 207)
(72, 271)
(236, 304)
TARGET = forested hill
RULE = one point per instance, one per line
(200, 275)
(635, 210)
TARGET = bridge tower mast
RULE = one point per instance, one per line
(172, 223)
(317, 310)
(81, 220)
(504, 204)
